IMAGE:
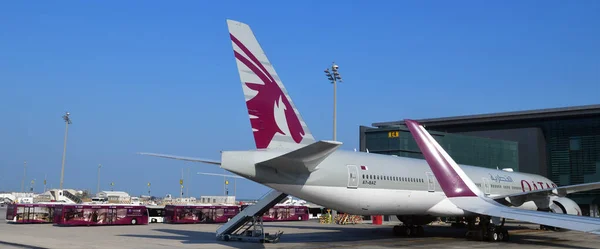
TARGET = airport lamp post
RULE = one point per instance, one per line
(334, 78)
(32, 186)
(62, 171)
(98, 184)
(24, 175)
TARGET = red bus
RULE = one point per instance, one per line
(100, 214)
(283, 212)
(30, 213)
(286, 213)
(190, 214)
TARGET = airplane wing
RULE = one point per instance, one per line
(190, 159)
(463, 192)
(520, 198)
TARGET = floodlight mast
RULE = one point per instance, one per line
(67, 120)
(334, 78)
(98, 184)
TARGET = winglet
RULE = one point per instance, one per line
(453, 180)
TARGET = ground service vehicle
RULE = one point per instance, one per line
(30, 213)
(100, 214)
(189, 214)
(156, 214)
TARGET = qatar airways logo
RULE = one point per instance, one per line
(271, 111)
(499, 178)
(533, 185)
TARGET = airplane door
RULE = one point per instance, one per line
(486, 186)
(430, 182)
(352, 176)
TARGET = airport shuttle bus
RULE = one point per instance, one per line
(285, 213)
(156, 214)
(100, 214)
(189, 214)
(30, 213)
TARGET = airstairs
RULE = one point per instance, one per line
(247, 225)
(60, 195)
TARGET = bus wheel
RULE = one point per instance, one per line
(153, 220)
(299, 217)
(133, 221)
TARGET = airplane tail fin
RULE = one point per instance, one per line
(275, 121)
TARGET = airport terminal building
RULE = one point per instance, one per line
(562, 144)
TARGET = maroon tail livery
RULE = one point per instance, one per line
(274, 119)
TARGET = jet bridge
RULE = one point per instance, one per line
(247, 225)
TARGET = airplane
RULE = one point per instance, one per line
(289, 159)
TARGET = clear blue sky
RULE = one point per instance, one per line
(161, 77)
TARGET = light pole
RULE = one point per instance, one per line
(187, 190)
(181, 183)
(31, 188)
(24, 174)
(334, 78)
(62, 171)
(98, 187)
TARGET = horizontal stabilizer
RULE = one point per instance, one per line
(189, 159)
(520, 198)
(304, 160)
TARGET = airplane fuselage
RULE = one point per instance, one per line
(373, 184)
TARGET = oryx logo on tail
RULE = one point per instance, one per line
(270, 109)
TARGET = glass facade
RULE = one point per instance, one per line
(573, 148)
(467, 150)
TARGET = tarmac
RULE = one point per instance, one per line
(297, 234)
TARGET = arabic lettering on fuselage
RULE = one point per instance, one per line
(499, 178)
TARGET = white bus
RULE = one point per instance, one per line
(156, 214)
